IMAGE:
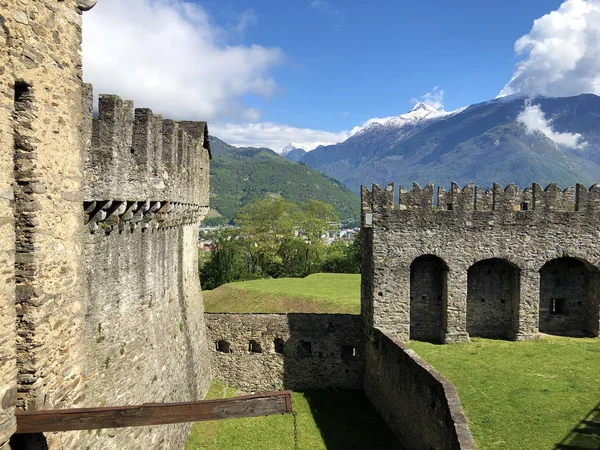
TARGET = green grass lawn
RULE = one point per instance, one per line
(528, 395)
(326, 420)
(318, 293)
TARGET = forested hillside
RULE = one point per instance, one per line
(240, 175)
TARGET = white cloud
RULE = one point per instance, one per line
(562, 53)
(535, 121)
(274, 136)
(168, 55)
(435, 98)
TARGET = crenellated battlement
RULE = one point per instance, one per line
(472, 198)
(134, 156)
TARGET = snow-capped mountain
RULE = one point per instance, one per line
(293, 153)
(419, 114)
(484, 143)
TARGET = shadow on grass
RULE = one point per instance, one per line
(347, 421)
(585, 435)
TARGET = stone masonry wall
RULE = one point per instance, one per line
(292, 351)
(112, 313)
(145, 336)
(40, 144)
(526, 229)
(418, 404)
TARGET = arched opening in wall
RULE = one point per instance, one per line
(222, 346)
(254, 347)
(569, 298)
(428, 276)
(493, 291)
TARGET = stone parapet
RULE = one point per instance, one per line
(135, 155)
(420, 406)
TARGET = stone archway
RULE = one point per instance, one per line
(569, 297)
(428, 275)
(493, 291)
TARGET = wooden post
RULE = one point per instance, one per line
(154, 413)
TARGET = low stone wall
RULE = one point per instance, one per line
(263, 352)
(418, 404)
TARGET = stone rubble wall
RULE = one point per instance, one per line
(146, 189)
(99, 290)
(469, 226)
(418, 404)
(137, 155)
(336, 358)
(40, 145)
(145, 337)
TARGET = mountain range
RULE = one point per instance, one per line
(482, 143)
(239, 175)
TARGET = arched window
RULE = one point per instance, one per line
(348, 352)
(304, 348)
(254, 347)
(279, 346)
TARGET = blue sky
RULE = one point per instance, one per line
(349, 61)
(312, 71)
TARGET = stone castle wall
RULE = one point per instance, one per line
(501, 263)
(263, 352)
(418, 404)
(41, 181)
(146, 186)
(99, 291)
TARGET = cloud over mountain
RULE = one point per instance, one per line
(534, 120)
(562, 55)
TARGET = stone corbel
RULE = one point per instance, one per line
(128, 215)
(163, 214)
(147, 221)
(114, 212)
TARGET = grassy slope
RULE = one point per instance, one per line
(241, 175)
(517, 395)
(326, 420)
(523, 395)
(318, 293)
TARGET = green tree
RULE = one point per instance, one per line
(226, 262)
(317, 220)
(268, 227)
(275, 238)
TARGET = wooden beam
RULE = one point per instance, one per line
(154, 413)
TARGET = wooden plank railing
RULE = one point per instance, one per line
(154, 413)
